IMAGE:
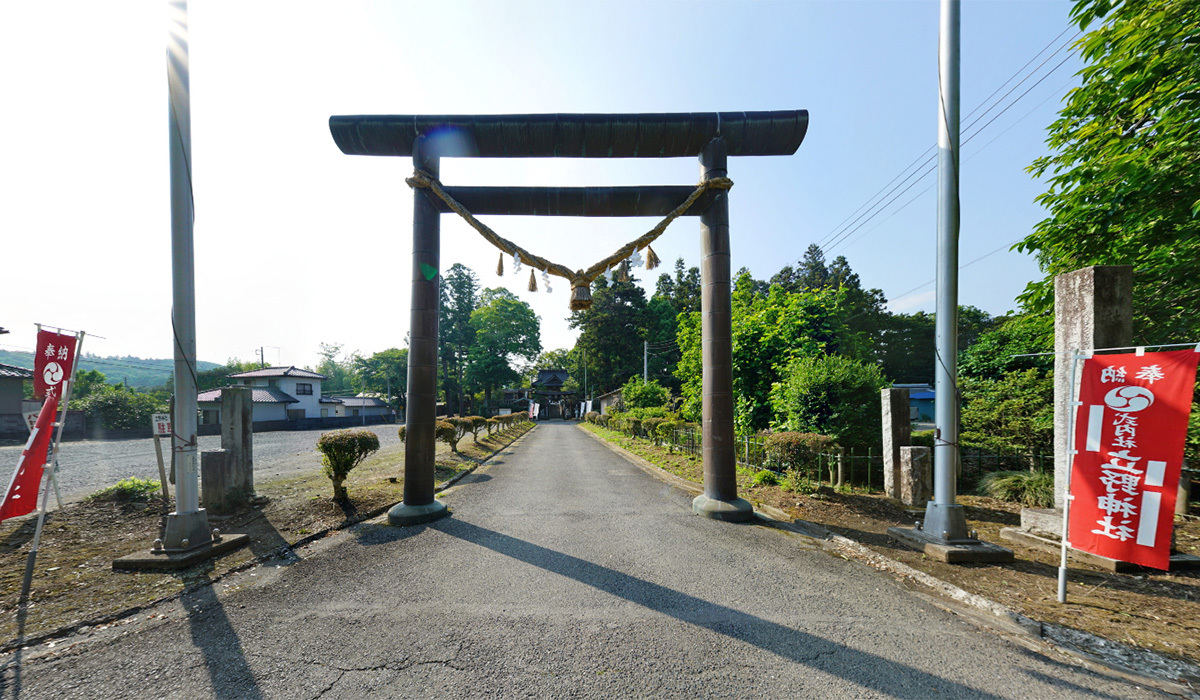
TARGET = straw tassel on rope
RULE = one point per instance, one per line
(500, 265)
(652, 260)
(532, 281)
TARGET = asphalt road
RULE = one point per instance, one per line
(564, 571)
(86, 466)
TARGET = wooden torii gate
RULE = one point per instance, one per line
(711, 136)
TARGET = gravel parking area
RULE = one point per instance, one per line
(87, 466)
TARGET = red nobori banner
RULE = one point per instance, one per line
(52, 363)
(1129, 435)
(22, 493)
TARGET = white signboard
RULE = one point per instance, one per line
(505, 411)
(31, 419)
(160, 423)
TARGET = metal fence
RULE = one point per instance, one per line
(859, 468)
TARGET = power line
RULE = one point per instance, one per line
(841, 232)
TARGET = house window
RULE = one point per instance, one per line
(303, 389)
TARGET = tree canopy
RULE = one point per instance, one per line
(1124, 172)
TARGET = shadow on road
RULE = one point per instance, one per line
(866, 669)
(215, 637)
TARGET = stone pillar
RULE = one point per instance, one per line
(215, 482)
(916, 476)
(1093, 308)
(897, 433)
(237, 437)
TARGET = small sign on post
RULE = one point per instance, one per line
(160, 425)
(30, 419)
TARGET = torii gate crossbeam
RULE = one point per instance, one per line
(712, 137)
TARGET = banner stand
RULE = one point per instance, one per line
(27, 581)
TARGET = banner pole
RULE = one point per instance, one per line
(66, 400)
(1062, 564)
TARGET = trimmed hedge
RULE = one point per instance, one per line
(792, 450)
(343, 450)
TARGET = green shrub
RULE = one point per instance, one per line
(591, 416)
(448, 433)
(604, 419)
(639, 394)
(792, 450)
(131, 489)
(831, 395)
(342, 451)
(403, 433)
(475, 424)
(492, 425)
(650, 426)
(633, 426)
(766, 477)
(1032, 489)
(650, 412)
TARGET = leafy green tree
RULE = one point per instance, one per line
(88, 382)
(639, 394)
(1012, 345)
(506, 332)
(1124, 168)
(768, 332)
(612, 331)
(1012, 413)
(829, 395)
(121, 408)
(343, 450)
(342, 379)
(383, 370)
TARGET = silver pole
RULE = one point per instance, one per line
(645, 360)
(188, 524)
(943, 518)
(1074, 404)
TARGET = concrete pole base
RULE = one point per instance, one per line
(192, 527)
(737, 510)
(404, 514)
(946, 522)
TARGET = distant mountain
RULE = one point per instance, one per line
(137, 372)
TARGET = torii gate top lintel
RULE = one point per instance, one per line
(678, 135)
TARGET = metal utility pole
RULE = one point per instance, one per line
(645, 360)
(943, 518)
(187, 527)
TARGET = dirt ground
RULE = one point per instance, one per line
(1149, 609)
(74, 584)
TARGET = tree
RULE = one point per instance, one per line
(639, 394)
(1015, 343)
(341, 377)
(683, 292)
(1124, 172)
(830, 395)
(88, 382)
(612, 331)
(386, 369)
(506, 331)
(767, 333)
(121, 408)
(459, 297)
(1012, 413)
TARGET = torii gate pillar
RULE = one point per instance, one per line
(720, 499)
(420, 444)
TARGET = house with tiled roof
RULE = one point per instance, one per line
(277, 393)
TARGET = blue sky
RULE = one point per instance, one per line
(297, 244)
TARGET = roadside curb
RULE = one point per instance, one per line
(1092, 651)
(282, 552)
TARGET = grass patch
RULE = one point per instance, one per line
(126, 490)
(1032, 489)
